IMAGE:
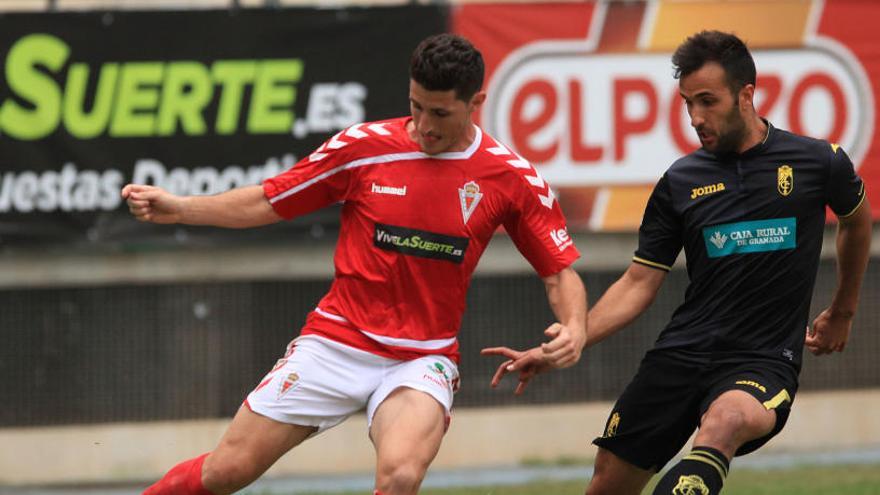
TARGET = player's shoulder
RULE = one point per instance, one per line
(510, 168)
(498, 155)
(786, 141)
(798, 145)
(692, 162)
(782, 139)
(693, 158)
(366, 139)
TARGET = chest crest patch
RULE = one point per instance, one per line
(785, 180)
(469, 195)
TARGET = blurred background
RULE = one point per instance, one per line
(126, 347)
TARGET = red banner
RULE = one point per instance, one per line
(585, 91)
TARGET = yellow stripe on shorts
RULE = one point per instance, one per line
(781, 397)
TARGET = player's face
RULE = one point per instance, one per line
(441, 122)
(714, 110)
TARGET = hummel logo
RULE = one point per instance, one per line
(395, 191)
(718, 239)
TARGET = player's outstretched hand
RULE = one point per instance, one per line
(565, 346)
(529, 363)
(829, 333)
(152, 204)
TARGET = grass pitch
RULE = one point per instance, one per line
(805, 480)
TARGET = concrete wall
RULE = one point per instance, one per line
(478, 437)
(291, 261)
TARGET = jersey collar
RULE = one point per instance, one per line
(461, 155)
(760, 147)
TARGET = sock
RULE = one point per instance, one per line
(183, 479)
(701, 472)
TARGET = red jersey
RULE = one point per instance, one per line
(412, 230)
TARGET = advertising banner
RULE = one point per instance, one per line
(585, 92)
(194, 101)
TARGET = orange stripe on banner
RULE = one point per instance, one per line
(621, 30)
(761, 23)
(624, 204)
(625, 207)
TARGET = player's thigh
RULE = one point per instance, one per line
(613, 475)
(410, 411)
(250, 445)
(407, 428)
(737, 415)
(750, 404)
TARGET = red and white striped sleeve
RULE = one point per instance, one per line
(316, 181)
(535, 222)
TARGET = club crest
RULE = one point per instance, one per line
(784, 180)
(690, 485)
(470, 196)
(613, 423)
(288, 383)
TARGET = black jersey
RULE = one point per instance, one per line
(751, 225)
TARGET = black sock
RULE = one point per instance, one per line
(701, 472)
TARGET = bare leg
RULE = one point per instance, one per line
(733, 419)
(407, 429)
(251, 444)
(614, 476)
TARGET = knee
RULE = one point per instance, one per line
(223, 476)
(727, 429)
(599, 485)
(723, 421)
(401, 478)
(610, 480)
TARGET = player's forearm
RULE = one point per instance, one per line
(623, 302)
(853, 251)
(568, 299)
(238, 208)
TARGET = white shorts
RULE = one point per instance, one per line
(320, 383)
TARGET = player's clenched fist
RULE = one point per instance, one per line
(565, 348)
(152, 204)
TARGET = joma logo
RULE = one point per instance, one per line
(710, 189)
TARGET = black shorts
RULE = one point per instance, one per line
(662, 406)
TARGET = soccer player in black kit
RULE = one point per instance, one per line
(749, 210)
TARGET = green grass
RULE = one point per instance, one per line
(806, 480)
(824, 480)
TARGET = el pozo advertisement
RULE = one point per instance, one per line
(585, 91)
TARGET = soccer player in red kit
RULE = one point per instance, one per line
(423, 196)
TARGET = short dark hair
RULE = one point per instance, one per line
(446, 61)
(715, 46)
